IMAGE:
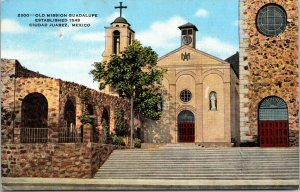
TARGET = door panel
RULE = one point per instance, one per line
(186, 132)
(273, 133)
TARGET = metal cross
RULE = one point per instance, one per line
(121, 7)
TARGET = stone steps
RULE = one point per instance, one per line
(192, 162)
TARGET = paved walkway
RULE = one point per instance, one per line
(141, 184)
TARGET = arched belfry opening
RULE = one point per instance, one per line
(118, 36)
(186, 126)
(273, 125)
(116, 42)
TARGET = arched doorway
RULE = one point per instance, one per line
(186, 126)
(273, 123)
(70, 113)
(34, 118)
(105, 125)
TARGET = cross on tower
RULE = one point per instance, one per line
(121, 7)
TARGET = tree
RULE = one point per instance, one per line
(134, 75)
(121, 128)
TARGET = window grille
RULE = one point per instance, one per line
(273, 108)
(271, 20)
(185, 95)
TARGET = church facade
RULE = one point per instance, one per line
(200, 92)
(269, 97)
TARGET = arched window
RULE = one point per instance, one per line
(116, 42)
(34, 118)
(213, 101)
(70, 112)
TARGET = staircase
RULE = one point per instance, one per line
(189, 161)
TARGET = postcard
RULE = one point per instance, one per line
(149, 95)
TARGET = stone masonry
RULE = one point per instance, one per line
(54, 158)
(268, 67)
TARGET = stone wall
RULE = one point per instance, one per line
(100, 153)
(268, 66)
(51, 159)
(81, 160)
(7, 99)
(98, 100)
(21, 71)
(15, 89)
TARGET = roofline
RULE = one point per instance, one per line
(197, 50)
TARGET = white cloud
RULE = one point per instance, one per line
(74, 70)
(162, 34)
(202, 13)
(12, 26)
(22, 54)
(216, 47)
(96, 36)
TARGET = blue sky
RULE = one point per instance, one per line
(68, 53)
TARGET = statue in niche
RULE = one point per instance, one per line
(213, 101)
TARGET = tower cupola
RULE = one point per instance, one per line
(188, 34)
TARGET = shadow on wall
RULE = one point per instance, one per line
(158, 131)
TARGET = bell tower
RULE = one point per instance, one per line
(188, 34)
(118, 36)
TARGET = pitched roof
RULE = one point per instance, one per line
(193, 49)
(234, 63)
(120, 20)
(188, 25)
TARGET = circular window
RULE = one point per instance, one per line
(185, 95)
(271, 20)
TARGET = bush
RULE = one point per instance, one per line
(118, 141)
(105, 126)
(137, 143)
(121, 128)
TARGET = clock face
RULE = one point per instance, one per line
(186, 39)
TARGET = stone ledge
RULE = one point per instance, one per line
(152, 145)
(141, 184)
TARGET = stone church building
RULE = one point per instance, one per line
(269, 88)
(200, 91)
(251, 98)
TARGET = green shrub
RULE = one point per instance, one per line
(118, 141)
(121, 128)
(137, 143)
(105, 126)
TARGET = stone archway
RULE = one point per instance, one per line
(105, 122)
(70, 112)
(34, 111)
(34, 119)
(186, 126)
(273, 123)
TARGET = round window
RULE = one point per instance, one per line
(185, 95)
(271, 20)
